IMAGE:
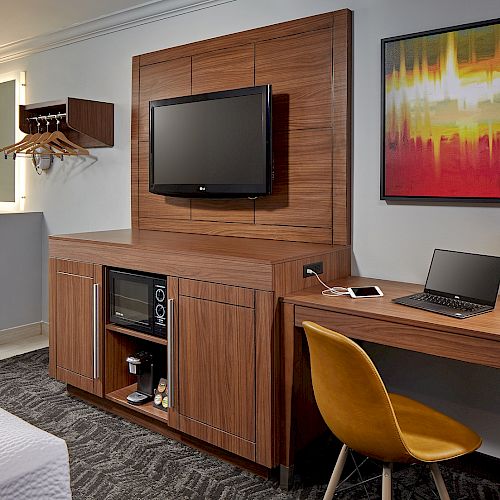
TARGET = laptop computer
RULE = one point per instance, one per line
(459, 284)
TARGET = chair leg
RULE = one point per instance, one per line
(387, 482)
(438, 479)
(337, 472)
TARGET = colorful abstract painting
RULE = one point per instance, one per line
(441, 107)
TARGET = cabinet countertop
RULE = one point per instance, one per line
(224, 247)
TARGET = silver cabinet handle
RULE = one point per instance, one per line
(170, 348)
(96, 329)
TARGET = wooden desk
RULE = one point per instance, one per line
(379, 320)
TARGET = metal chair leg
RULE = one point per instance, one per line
(387, 482)
(438, 479)
(337, 472)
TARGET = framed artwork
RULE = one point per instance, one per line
(441, 115)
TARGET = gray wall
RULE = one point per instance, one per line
(20, 269)
(393, 241)
(7, 136)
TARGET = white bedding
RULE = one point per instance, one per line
(34, 465)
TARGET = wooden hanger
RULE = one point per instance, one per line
(26, 139)
(40, 143)
(59, 141)
(55, 143)
(24, 142)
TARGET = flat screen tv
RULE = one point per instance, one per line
(215, 145)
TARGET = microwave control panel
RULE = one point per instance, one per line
(160, 306)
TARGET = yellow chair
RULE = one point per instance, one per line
(357, 408)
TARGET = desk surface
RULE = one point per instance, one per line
(483, 326)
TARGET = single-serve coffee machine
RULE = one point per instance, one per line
(141, 364)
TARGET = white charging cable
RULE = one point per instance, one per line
(329, 291)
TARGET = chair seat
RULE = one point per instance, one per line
(430, 435)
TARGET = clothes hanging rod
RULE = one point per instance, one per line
(47, 117)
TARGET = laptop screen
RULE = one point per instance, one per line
(469, 276)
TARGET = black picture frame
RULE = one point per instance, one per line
(384, 44)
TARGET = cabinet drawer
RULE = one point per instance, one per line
(225, 294)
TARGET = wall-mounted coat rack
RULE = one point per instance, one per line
(90, 124)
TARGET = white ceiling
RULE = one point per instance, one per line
(30, 18)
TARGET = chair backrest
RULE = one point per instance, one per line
(352, 397)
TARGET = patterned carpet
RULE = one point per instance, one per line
(114, 459)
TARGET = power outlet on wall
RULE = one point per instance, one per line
(317, 267)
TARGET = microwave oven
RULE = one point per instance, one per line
(138, 301)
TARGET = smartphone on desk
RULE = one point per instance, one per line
(364, 292)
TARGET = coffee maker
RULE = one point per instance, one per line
(141, 364)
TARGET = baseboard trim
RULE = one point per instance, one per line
(45, 328)
(21, 332)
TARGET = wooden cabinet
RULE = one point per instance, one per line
(222, 359)
(75, 323)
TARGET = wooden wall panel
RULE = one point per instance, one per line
(264, 231)
(342, 92)
(240, 210)
(300, 70)
(154, 205)
(311, 129)
(162, 81)
(302, 190)
(312, 23)
(222, 70)
(134, 144)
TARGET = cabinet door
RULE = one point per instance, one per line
(216, 373)
(75, 323)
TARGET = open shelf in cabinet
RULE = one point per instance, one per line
(120, 396)
(132, 333)
(119, 383)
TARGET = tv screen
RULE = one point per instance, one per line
(212, 145)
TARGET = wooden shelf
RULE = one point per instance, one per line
(88, 123)
(120, 396)
(132, 333)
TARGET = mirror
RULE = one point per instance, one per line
(7, 136)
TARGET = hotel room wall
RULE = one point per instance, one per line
(392, 241)
(20, 269)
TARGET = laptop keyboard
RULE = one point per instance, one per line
(457, 304)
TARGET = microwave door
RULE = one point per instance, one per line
(131, 301)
